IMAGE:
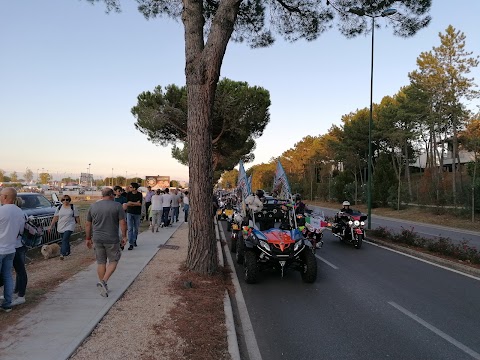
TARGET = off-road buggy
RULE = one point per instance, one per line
(272, 240)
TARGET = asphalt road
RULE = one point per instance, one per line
(423, 230)
(370, 304)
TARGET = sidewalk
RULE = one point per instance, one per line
(59, 325)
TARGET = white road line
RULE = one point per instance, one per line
(326, 262)
(440, 333)
(426, 261)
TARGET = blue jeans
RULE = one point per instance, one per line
(20, 271)
(186, 207)
(133, 221)
(65, 248)
(175, 213)
(6, 265)
(166, 211)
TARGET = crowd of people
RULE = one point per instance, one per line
(111, 222)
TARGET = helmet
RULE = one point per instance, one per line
(346, 203)
(260, 193)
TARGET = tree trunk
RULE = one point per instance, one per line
(202, 70)
(473, 188)
(454, 166)
(407, 171)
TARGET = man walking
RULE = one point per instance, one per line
(166, 204)
(101, 230)
(134, 211)
(148, 200)
(12, 223)
(176, 200)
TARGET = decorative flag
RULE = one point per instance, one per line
(280, 183)
(243, 185)
(250, 182)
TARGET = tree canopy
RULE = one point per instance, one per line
(240, 115)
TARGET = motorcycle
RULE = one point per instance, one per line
(312, 227)
(235, 224)
(350, 228)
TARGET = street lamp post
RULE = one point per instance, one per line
(89, 176)
(362, 12)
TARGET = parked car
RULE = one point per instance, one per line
(38, 207)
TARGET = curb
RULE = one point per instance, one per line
(231, 333)
(245, 323)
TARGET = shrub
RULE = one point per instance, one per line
(444, 246)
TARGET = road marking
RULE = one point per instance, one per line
(425, 261)
(326, 262)
(440, 333)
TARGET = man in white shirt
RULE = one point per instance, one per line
(12, 223)
(156, 210)
(166, 204)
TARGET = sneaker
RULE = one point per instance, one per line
(102, 287)
(6, 309)
(18, 301)
(130, 247)
(135, 243)
(61, 257)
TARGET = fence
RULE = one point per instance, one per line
(53, 236)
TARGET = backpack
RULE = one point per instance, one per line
(32, 234)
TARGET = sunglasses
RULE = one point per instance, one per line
(66, 200)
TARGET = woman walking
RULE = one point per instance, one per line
(67, 218)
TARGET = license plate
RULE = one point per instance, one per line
(229, 212)
(235, 227)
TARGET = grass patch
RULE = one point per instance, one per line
(443, 246)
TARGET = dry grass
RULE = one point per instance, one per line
(198, 317)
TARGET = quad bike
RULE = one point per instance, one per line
(350, 228)
(272, 240)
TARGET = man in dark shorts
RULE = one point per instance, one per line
(101, 231)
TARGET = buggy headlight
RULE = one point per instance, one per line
(298, 244)
(350, 223)
(356, 223)
(264, 245)
(362, 223)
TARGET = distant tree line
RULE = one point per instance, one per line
(428, 116)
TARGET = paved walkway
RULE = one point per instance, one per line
(57, 326)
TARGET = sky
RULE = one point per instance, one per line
(70, 73)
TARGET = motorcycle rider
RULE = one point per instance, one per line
(341, 218)
(346, 208)
(299, 205)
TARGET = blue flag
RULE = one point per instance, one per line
(281, 187)
(243, 185)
